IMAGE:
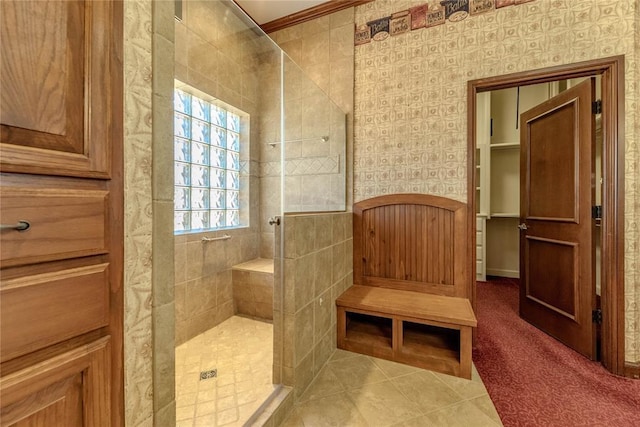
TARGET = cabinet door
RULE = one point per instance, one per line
(55, 87)
(69, 390)
(61, 172)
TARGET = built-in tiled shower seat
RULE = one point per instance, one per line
(412, 284)
(253, 288)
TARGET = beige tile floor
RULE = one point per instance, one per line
(351, 390)
(241, 350)
(357, 390)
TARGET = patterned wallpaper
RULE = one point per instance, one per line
(410, 98)
(138, 357)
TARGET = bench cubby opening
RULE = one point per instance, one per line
(443, 343)
(370, 330)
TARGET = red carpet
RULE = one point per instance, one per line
(534, 380)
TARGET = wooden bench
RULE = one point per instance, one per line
(424, 330)
(410, 301)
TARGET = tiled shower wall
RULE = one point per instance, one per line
(318, 267)
(216, 53)
(323, 50)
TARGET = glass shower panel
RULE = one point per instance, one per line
(228, 106)
(314, 145)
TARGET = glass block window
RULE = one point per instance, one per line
(207, 165)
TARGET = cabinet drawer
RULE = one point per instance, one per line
(64, 224)
(43, 309)
(479, 224)
(479, 253)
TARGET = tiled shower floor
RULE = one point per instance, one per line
(241, 350)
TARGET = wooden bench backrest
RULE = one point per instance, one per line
(414, 242)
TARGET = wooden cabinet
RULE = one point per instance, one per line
(55, 66)
(61, 172)
(67, 390)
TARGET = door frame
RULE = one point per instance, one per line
(612, 273)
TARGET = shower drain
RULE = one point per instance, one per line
(205, 375)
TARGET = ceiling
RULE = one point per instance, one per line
(263, 11)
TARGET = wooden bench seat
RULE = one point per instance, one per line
(412, 283)
(420, 329)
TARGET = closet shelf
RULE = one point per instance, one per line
(505, 215)
(504, 145)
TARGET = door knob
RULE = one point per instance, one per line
(522, 226)
(274, 220)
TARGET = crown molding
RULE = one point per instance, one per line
(309, 14)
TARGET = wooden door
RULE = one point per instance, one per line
(61, 173)
(557, 291)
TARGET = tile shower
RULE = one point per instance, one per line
(234, 317)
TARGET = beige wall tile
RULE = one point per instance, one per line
(321, 336)
(242, 291)
(202, 81)
(203, 57)
(263, 293)
(224, 287)
(163, 355)
(180, 262)
(303, 374)
(201, 322)
(323, 270)
(341, 43)
(303, 334)
(341, 18)
(180, 303)
(289, 342)
(165, 417)
(264, 310)
(181, 55)
(338, 261)
(197, 296)
(305, 235)
(289, 286)
(199, 15)
(304, 280)
(322, 351)
(315, 26)
(194, 260)
(246, 307)
(223, 312)
(315, 50)
(339, 224)
(322, 309)
(163, 265)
